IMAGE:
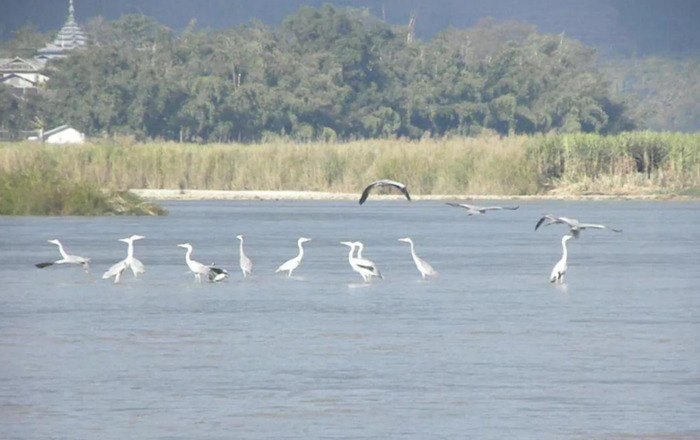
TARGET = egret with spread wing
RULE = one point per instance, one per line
(66, 259)
(474, 209)
(385, 182)
(575, 227)
(130, 261)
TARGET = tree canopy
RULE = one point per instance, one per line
(325, 73)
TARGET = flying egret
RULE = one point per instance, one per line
(366, 268)
(66, 259)
(212, 272)
(384, 182)
(575, 227)
(474, 209)
(559, 269)
(130, 261)
(292, 264)
(244, 262)
(423, 267)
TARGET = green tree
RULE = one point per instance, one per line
(328, 73)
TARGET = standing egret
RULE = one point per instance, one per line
(559, 269)
(66, 259)
(384, 182)
(244, 262)
(292, 264)
(423, 267)
(351, 258)
(575, 227)
(375, 270)
(366, 268)
(365, 262)
(360, 247)
(130, 261)
(211, 272)
(474, 209)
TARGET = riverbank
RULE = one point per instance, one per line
(635, 165)
(176, 194)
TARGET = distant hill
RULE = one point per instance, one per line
(613, 26)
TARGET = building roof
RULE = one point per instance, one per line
(58, 129)
(20, 65)
(16, 80)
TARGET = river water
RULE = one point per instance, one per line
(487, 350)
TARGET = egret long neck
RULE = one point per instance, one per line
(240, 248)
(60, 249)
(352, 249)
(565, 252)
(413, 251)
(360, 246)
(130, 249)
(301, 249)
(188, 254)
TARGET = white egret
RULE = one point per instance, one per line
(575, 227)
(292, 264)
(423, 267)
(559, 269)
(66, 259)
(244, 262)
(351, 258)
(474, 209)
(366, 268)
(360, 247)
(365, 262)
(212, 272)
(130, 261)
(384, 182)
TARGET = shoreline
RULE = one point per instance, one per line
(198, 194)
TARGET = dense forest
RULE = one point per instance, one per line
(325, 73)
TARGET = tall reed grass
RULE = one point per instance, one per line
(489, 165)
(568, 163)
(634, 162)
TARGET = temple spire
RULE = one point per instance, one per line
(71, 12)
(68, 38)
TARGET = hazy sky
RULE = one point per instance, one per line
(632, 25)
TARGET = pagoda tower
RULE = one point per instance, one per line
(70, 37)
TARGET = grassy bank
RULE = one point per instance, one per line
(37, 191)
(630, 163)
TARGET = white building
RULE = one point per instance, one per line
(22, 74)
(64, 134)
